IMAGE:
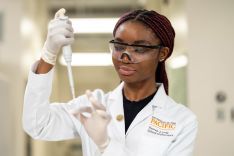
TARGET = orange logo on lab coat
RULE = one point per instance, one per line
(162, 124)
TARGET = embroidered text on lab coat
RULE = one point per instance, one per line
(162, 128)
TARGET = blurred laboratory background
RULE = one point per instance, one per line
(201, 69)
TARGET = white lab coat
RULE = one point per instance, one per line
(162, 128)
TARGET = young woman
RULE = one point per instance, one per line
(135, 119)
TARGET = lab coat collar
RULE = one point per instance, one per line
(158, 103)
(116, 107)
(158, 100)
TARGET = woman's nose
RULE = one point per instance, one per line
(125, 57)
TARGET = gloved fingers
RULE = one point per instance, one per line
(69, 22)
(77, 111)
(69, 26)
(63, 26)
(53, 23)
(60, 25)
(58, 34)
(67, 41)
(104, 115)
(62, 32)
(94, 115)
(82, 118)
(82, 112)
(60, 20)
(95, 103)
(59, 41)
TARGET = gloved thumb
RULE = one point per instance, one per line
(60, 13)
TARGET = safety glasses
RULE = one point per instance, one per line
(135, 53)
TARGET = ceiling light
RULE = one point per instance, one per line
(26, 27)
(89, 59)
(178, 62)
(180, 24)
(93, 25)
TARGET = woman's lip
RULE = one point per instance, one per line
(127, 71)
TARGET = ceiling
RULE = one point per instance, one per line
(174, 10)
(103, 8)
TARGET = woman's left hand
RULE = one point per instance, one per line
(95, 120)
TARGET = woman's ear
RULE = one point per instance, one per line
(164, 52)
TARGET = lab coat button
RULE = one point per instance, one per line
(119, 117)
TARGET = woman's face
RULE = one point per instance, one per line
(134, 32)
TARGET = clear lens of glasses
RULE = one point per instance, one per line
(135, 53)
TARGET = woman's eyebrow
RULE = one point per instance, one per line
(134, 42)
(118, 39)
(141, 42)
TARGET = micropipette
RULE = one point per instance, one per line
(67, 54)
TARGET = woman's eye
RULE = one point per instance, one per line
(119, 47)
(139, 49)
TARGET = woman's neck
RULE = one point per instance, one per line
(138, 91)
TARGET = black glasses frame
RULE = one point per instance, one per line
(138, 45)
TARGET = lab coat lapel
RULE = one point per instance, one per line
(158, 102)
(116, 108)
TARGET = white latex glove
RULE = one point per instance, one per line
(95, 120)
(60, 33)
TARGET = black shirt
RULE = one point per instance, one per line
(132, 108)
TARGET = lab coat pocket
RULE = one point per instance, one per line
(153, 145)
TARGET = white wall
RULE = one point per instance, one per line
(211, 62)
(11, 86)
(6, 126)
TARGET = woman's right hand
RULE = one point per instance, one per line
(60, 33)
